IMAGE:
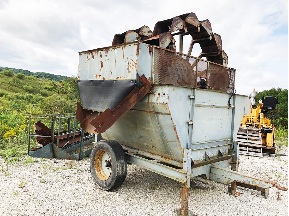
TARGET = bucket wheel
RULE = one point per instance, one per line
(108, 165)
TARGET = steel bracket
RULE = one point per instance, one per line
(235, 158)
(187, 164)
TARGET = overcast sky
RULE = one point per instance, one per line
(46, 35)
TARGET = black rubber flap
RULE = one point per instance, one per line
(98, 95)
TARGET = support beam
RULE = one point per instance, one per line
(227, 176)
(181, 43)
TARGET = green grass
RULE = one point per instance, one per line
(154, 186)
(22, 183)
(281, 137)
(29, 160)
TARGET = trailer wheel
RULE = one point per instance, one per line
(108, 165)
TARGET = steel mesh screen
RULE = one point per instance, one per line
(173, 68)
(181, 70)
(221, 78)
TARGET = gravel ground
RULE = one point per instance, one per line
(62, 187)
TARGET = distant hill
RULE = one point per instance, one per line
(37, 74)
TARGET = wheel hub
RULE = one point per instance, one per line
(102, 164)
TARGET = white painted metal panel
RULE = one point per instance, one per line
(212, 116)
(112, 63)
(145, 58)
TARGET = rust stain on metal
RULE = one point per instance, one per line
(151, 49)
(171, 68)
(184, 200)
(101, 122)
(179, 142)
(192, 19)
(218, 78)
(165, 39)
(178, 24)
(145, 31)
(42, 130)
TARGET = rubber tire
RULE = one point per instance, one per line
(118, 164)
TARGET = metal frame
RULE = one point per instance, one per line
(52, 150)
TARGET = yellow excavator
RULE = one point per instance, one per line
(256, 134)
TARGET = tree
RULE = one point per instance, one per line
(281, 111)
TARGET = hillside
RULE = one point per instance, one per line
(21, 95)
(36, 74)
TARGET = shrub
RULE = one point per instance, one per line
(2, 93)
(44, 93)
(8, 73)
(20, 76)
(28, 88)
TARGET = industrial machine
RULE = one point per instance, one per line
(63, 140)
(256, 134)
(169, 112)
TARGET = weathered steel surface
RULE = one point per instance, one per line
(227, 176)
(58, 144)
(44, 135)
(44, 131)
(44, 152)
(141, 33)
(192, 22)
(171, 68)
(160, 66)
(149, 132)
(131, 36)
(178, 25)
(173, 173)
(184, 210)
(165, 39)
(107, 118)
(111, 63)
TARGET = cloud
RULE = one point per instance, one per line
(47, 35)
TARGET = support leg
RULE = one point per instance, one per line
(232, 188)
(265, 192)
(184, 210)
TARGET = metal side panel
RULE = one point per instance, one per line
(180, 109)
(156, 101)
(242, 107)
(211, 123)
(110, 63)
(207, 150)
(147, 131)
(145, 60)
